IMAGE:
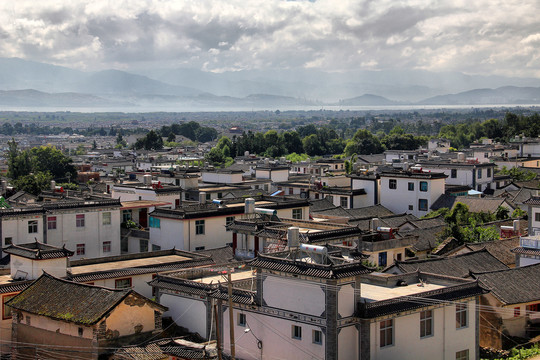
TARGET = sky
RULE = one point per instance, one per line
(484, 37)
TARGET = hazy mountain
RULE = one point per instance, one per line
(502, 95)
(304, 87)
(367, 100)
(34, 98)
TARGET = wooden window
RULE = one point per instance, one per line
(296, 332)
(461, 315)
(51, 223)
(79, 220)
(81, 249)
(122, 283)
(107, 218)
(426, 323)
(462, 355)
(517, 311)
(32, 226)
(386, 332)
(317, 337)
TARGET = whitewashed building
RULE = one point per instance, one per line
(411, 192)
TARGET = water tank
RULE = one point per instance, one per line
(282, 160)
(249, 207)
(314, 249)
(147, 180)
(516, 225)
(374, 224)
(246, 153)
(293, 236)
(460, 156)
(53, 185)
(264, 211)
(202, 197)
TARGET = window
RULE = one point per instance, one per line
(533, 307)
(410, 186)
(453, 173)
(229, 220)
(241, 319)
(462, 355)
(154, 222)
(317, 337)
(536, 216)
(422, 204)
(126, 215)
(426, 323)
(51, 223)
(156, 247)
(81, 249)
(479, 173)
(461, 315)
(297, 332)
(387, 332)
(8, 241)
(6, 310)
(207, 196)
(297, 214)
(80, 331)
(122, 283)
(383, 257)
(219, 195)
(291, 191)
(343, 201)
(423, 186)
(199, 227)
(199, 248)
(107, 218)
(489, 172)
(32, 226)
(106, 246)
(79, 220)
(411, 208)
(517, 311)
(392, 184)
(143, 245)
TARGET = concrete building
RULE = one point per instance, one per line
(411, 192)
(314, 304)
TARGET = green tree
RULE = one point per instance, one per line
(363, 142)
(19, 164)
(33, 183)
(49, 159)
(312, 145)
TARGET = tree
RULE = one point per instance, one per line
(33, 183)
(215, 156)
(49, 159)
(363, 142)
(502, 213)
(312, 145)
(18, 163)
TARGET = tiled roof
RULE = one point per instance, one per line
(501, 249)
(457, 266)
(69, 301)
(533, 200)
(427, 237)
(475, 204)
(407, 303)
(324, 271)
(513, 286)
(37, 251)
(526, 251)
(109, 274)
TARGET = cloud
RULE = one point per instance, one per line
(482, 37)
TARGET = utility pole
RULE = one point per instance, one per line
(231, 317)
(217, 332)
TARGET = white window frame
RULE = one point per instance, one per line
(297, 214)
(32, 226)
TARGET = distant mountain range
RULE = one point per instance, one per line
(32, 84)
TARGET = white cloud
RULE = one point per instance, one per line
(483, 37)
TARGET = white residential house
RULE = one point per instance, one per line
(202, 226)
(371, 184)
(411, 192)
(479, 176)
(528, 252)
(319, 307)
(90, 227)
(151, 191)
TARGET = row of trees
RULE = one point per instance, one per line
(32, 170)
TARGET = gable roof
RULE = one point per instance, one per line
(475, 204)
(69, 301)
(37, 251)
(513, 286)
(457, 266)
(501, 249)
(427, 237)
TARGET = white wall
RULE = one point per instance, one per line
(445, 342)
(348, 343)
(186, 312)
(346, 300)
(399, 199)
(34, 268)
(276, 334)
(17, 229)
(301, 296)
(221, 178)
